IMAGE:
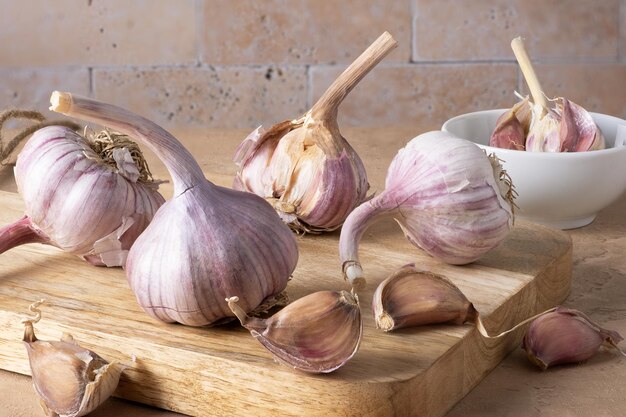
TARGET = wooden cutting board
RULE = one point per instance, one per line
(224, 371)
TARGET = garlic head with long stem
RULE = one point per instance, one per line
(206, 243)
(305, 167)
(449, 198)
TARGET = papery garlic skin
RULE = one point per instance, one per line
(205, 243)
(317, 333)
(512, 127)
(565, 336)
(450, 199)
(410, 297)
(76, 202)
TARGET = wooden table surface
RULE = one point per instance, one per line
(514, 388)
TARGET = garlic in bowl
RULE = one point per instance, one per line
(564, 189)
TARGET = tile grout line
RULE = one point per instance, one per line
(413, 43)
(91, 82)
(199, 21)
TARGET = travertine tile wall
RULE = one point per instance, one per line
(240, 63)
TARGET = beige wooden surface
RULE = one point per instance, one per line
(224, 371)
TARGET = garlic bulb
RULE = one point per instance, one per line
(69, 380)
(317, 333)
(447, 195)
(410, 297)
(87, 203)
(204, 244)
(305, 167)
(565, 336)
(565, 128)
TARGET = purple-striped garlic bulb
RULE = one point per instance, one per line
(305, 167)
(536, 127)
(566, 336)
(206, 243)
(449, 198)
(90, 198)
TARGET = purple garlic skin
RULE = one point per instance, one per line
(449, 198)
(76, 202)
(565, 336)
(203, 245)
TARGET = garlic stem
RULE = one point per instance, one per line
(352, 231)
(185, 171)
(529, 73)
(326, 107)
(20, 233)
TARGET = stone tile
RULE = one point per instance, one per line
(423, 95)
(68, 32)
(597, 87)
(300, 31)
(209, 97)
(483, 29)
(31, 88)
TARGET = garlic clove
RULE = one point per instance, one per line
(565, 336)
(317, 333)
(305, 167)
(544, 133)
(511, 127)
(578, 132)
(68, 379)
(410, 297)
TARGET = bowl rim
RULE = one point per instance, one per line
(546, 155)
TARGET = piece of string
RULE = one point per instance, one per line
(6, 148)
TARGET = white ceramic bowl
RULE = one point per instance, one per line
(562, 190)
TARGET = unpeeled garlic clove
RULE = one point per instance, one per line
(70, 380)
(512, 127)
(317, 333)
(565, 336)
(410, 297)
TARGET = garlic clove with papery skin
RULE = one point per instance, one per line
(203, 245)
(317, 333)
(565, 336)
(68, 379)
(449, 198)
(305, 167)
(410, 297)
(512, 127)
